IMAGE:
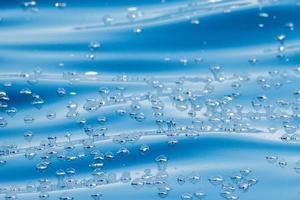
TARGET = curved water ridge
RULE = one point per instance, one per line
(149, 99)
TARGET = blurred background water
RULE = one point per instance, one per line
(149, 99)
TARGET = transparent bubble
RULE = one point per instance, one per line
(121, 111)
(44, 196)
(60, 173)
(290, 127)
(245, 172)
(2, 162)
(51, 115)
(28, 119)
(216, 180)
(30, 153)
(66, 198)
(125, 177)
(297, 167)
(97, 196)
(107, 20)
(91, 105)
(11, 111)
(195, 21)
(137, 29)
(194, 178)
(163, 192)
(28, 135)
(9, 196)
(94, 45)
(71, 76)
(3, 122)
(72, 105)
(226, 186)
(144, 148)
(252, 181)
(133, 13)
(123, 151)
(61, 92)
(137, 183)
(91, 56)
(162, 175)
(25, 91)
(281, 38)
(139, 117)
(252, 61)
(244, 186)
(264, 14)
(102, 120)
(186, 196)
(109, 156)
(42, 166)
(236, 178)
(282, 163)
(200, 195)
(215, 69)
(60, 5)
(181, 179)
(162, 162)
(290, 26)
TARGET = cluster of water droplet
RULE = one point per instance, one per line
(240, 182)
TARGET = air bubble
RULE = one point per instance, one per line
(3, 122)
(107, 20)
(162, 162)
(96, 196)
(200, 195)
(133, 13)
(181, 179)
(60, 5)
(282, 163)
(44, 196)
(51, 115)
(61, 92)
(11, 111)
(186, 196)
(28, 135)
(137, 183)
(144, 149)
(216, 180)
(28, 119)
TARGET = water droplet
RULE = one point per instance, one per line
(11, 111)
(133, 13)
(97, 196)
(144, 148)
(181, 179)
(28, 119)
(60, 5)
(137, 183)
(162, 162)
(51, 115)
(125, 177)
(282, 163)
(200, 195)
(28, 135)
(107, 20)
(3, 122)
(186, 196)
(42, 166)
(44, 196)
(61, 92)
(216, 180)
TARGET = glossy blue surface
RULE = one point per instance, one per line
(193, 94)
